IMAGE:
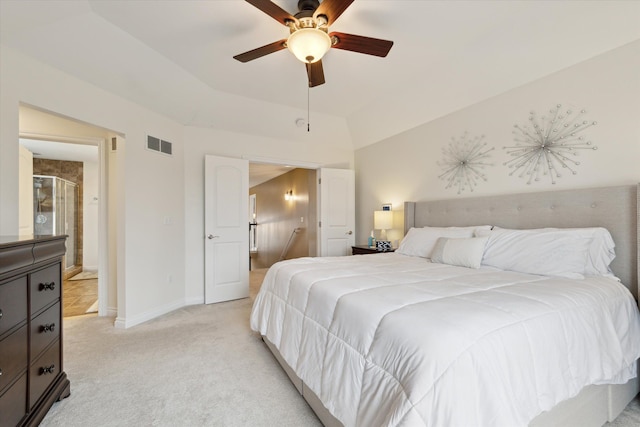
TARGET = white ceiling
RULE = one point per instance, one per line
(54, 150)
(175, 57)
(263, 172)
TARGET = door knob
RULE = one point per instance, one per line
(349, 232)
(211, 236)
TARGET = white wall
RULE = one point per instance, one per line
(158, 207)
(404, 167)
(90, 201)
(150, 186)
(198, 143)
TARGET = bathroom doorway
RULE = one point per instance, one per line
(65, 202)
(70, 152)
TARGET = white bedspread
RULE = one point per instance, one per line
(391, 340)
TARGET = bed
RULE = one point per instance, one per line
(391, 339)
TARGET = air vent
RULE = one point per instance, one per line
(159, 145)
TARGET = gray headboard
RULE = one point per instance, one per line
(615, 208)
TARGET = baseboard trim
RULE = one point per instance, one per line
(194, 301)
(128, 322)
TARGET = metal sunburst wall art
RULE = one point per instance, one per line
(463, 161)
(549, 144)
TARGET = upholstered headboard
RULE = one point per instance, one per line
(615, 208)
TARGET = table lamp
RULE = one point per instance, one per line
(383, 220)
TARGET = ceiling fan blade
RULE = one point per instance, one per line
(332, 9)
(261, 51)
(315, 72)
(273, 10)
(361, 44)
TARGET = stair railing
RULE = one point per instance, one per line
(286, 248)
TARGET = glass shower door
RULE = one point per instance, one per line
(44, 205)
(56, 211)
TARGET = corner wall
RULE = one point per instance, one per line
(159, 206)
(150, 186)
(403, 167)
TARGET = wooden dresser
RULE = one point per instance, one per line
(31, 374)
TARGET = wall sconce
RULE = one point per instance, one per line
(383, 220)
(288, 195)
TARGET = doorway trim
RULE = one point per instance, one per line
(103, 243)
(276, 161)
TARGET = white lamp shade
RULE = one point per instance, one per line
(309, 44)
(383, 220)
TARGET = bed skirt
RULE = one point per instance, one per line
(592, 407)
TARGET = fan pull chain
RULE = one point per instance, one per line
(308, 91)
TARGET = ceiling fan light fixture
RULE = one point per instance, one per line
(309, 44)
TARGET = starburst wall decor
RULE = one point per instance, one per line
(463, 161)
(548, 145)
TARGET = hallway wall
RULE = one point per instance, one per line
(277, 217)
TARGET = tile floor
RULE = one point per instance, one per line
(78, 296)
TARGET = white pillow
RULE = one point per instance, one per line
(460, 252)
(420, 241)
(601, 250)
(474, 228)
(549, 252)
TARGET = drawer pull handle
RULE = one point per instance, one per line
(48, 327)
(0, 372)
(0, 313)
(47, 286)
(47, 370)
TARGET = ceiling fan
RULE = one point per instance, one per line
(309, 38)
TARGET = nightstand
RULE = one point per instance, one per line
(364, 249)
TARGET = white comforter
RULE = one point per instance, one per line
(391, 340)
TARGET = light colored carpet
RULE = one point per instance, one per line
(630, 417)
(197, 366)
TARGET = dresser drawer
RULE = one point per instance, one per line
(13, 403)
(44, 329)
(45, 287)
(43, 371)
(13, 356)
(13, 303)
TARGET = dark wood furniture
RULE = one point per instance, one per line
(31, 374)
(364, 250)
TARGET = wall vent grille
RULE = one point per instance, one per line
(159, 145)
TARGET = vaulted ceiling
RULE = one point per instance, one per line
(176, 57)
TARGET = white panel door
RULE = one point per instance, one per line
(226, 229)
(337, 211)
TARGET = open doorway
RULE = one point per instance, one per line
(302, 212)
(283, 213)
(66, 201)
(66, 178)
